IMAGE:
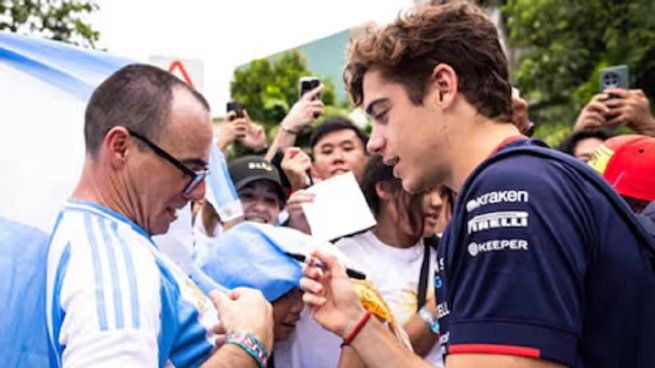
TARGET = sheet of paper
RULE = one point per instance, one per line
(339, 208)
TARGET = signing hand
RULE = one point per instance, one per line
(329, 295)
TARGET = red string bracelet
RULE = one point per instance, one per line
(356, 330)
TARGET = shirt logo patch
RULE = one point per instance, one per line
(442, 310)
(497, 220)
(505, 196)
(497, 245)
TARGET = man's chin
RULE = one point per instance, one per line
(159, 229)
(411, 186)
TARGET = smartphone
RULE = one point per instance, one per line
(614, 77)
(236, 107)
(309, 83)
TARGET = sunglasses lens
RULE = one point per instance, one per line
(195, 182)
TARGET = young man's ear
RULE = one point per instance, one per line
(444, 85)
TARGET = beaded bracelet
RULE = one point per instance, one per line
(250, 344)
(429, 320)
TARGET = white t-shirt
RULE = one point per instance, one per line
(395, 273)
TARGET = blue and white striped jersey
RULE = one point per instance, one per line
(114, 300)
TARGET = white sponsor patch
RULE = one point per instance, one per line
(497, 245)
(498, 219)
(442, 310)
(504, 196)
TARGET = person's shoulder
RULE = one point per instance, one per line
(354, 242)
(357, 249)
(540, 169)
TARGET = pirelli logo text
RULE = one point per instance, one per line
(502, 196)
(496, 220)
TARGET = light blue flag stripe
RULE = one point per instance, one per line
(57, 312)
(131, 275)
(100, 293)
(221, 186)
(113, 268)
(66, 67)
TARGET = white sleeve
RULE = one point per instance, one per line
(111, 313)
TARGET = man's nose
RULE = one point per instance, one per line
(375, 143)
(197, 193)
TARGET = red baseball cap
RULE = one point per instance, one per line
(627, 162)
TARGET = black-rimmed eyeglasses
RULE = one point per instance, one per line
(196, 176)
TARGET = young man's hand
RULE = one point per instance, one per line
(330, 296)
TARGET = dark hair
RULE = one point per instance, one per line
(137, 96)
(376, 172)
(457, 34)
(335, 124)
(570, 142)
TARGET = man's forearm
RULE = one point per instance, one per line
(282, 141)
(377, 347)
(350, 359)
(230, 355)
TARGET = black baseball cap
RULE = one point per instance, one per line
(249, 169)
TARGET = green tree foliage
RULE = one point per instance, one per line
(268, 88)
(562, 45)
(60, 20)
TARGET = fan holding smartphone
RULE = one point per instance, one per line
(238, 128)
(302, 114)
(617, 104)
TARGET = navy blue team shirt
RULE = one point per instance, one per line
(537, 262)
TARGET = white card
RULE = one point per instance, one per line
(339, 208)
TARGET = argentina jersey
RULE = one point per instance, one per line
(114, 300)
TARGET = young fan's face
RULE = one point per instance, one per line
(286, 313)
(339, 152)
(260, 202)
(411, 138)
(586, 148)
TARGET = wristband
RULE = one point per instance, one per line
(249, 343)
(356, 330)
(429, 320)
(290, 131)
